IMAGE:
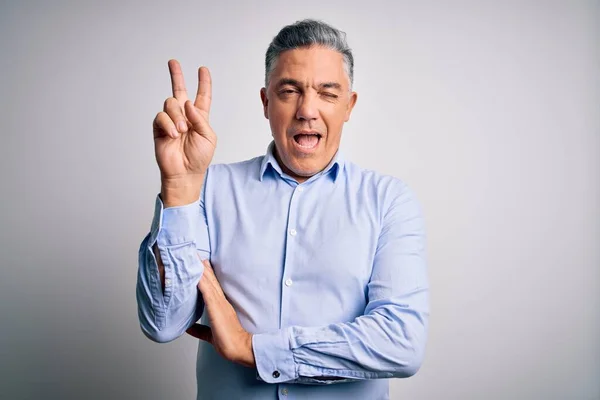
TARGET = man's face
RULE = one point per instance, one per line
(307, 102)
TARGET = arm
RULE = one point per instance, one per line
(387, 341)
(169, 270)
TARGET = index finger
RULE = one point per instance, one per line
(177, 82)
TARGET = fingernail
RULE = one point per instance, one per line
(182, 126)
(174, 133)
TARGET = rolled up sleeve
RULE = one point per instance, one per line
(181, 236)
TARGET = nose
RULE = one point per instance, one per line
(307, 107)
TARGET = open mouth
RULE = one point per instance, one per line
(307, 140)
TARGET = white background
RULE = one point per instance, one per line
(490, 111)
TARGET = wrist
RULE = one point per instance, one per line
(249, 360)
(180, 191)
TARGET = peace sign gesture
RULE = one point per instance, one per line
(184, 142)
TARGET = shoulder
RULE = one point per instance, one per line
(390, 194)
(236, 170)
(382, 185)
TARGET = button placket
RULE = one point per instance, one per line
(291, 243)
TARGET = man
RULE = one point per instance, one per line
(316, 286)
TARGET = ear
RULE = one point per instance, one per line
(351, 103)
(265, 101)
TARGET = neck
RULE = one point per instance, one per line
(286, 170)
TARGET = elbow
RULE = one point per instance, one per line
(164, 327)
(409, 368)
(156, 329)
(160, 336)
(410, 363)
(154, 326)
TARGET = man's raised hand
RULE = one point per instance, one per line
(184, 142)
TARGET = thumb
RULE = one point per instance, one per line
(201, 332)
(197, 119)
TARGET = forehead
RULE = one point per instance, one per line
(311, 65)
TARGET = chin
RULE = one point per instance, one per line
(306, 171)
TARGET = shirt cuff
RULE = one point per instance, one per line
(174, 225)
(273, 356)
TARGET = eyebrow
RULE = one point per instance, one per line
(293, 82)
(287, 81)
(331, 85)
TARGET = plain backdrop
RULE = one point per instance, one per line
(490, 111)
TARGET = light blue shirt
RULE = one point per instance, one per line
(329, 276)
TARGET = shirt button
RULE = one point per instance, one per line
(276, 374)
(288, 282)
(293, 232)
(300, 189)
(167, 282)
(284, 391)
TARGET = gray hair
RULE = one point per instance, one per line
(306, 33)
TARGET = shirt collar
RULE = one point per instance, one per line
(333, 168)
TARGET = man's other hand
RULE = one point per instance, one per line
(227, 335)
